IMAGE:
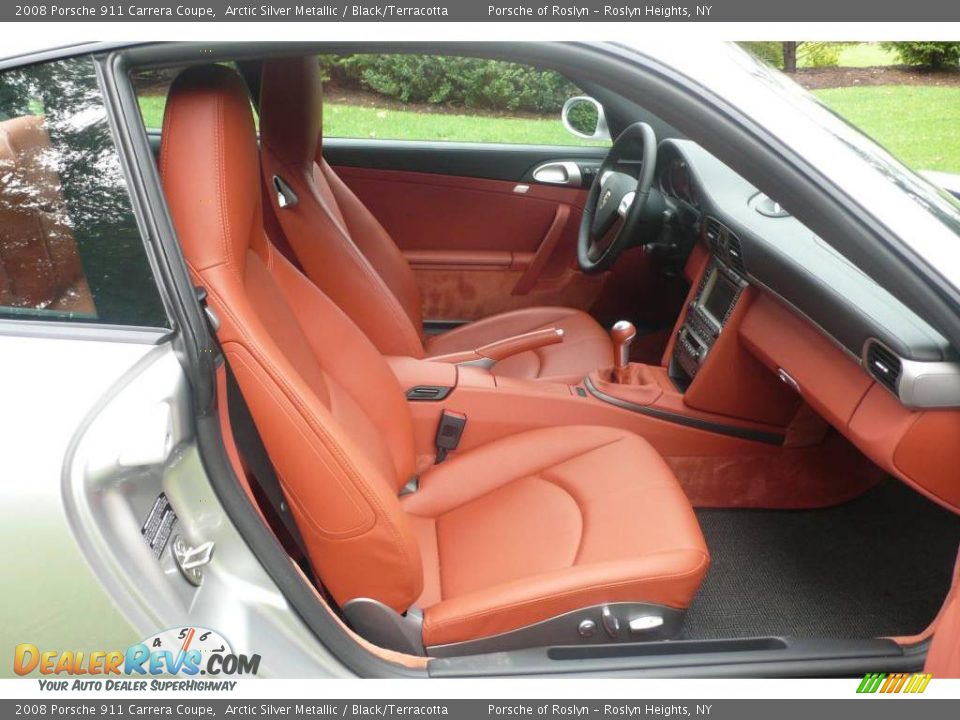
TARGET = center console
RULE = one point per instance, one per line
(717, 293)
(710, 398)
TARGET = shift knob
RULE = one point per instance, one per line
(622, 334)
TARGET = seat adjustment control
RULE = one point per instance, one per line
(610, 621)
(645, 622)
(587, 629)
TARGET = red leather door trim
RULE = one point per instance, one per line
(547, 247)
(479, 247)
(453, 259)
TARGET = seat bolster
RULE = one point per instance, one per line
(668, 578)
(357, 537)
(376, 245)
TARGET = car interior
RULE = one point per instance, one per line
(608, 399)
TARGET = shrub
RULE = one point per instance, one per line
(457, 81)
(770, 52)
(328, 66)
(933, 55)
(813, 53)
(819, 54)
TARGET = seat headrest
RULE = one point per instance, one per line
(210, 167)
(291, 110)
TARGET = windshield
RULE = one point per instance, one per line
(934, 199)
(923, 216)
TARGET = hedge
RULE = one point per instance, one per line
(453, 81)
(933, 55)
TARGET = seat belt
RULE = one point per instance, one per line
(250, 446)
(247, 438)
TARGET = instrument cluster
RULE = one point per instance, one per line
(676, 181)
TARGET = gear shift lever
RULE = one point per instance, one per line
(622, 334)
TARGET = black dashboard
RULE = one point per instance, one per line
(763, 244)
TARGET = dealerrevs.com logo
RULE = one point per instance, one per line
(185, 653)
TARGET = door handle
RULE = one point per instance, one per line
(562, 172)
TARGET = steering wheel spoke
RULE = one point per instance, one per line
(602, 243)
(614, 207)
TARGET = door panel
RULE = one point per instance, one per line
(494, 161)
(480, 246)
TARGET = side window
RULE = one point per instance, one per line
(445, 98)
(70, 248)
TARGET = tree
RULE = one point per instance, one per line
(790, 56)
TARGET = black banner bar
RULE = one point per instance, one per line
(873, 708)
(483, 11)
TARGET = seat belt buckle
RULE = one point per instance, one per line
(449, 432)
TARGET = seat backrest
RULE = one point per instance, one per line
(338, 242)
(332, 416)
(40, 266)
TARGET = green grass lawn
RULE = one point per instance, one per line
(857, 55)
(917, 124)
(151, 107)
(364, 122)
(865, 55)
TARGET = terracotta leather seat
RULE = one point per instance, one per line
(558, 522)
(353, 259)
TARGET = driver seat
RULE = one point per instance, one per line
(349, 255)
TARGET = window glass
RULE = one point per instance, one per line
(444, 98)
(421, 97)
(70, 248)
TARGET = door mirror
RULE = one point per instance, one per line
(583, 116)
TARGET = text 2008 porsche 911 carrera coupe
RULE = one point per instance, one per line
(681, 398)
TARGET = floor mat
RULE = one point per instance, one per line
(878, 565)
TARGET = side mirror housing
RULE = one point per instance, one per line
(583, 117)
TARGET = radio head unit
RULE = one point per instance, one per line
(709, 311)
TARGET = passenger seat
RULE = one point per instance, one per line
(568, 535)
(349, 255)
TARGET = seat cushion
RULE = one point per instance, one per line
(544, 522)
(585, 347)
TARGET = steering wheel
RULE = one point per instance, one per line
(623, 209)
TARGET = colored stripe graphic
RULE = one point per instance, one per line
(871, 682)
(913, 683)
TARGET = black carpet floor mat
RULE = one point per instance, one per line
(878, 565)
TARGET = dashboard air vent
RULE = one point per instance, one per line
(735, 254)
(714, 232)
(884, 366)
